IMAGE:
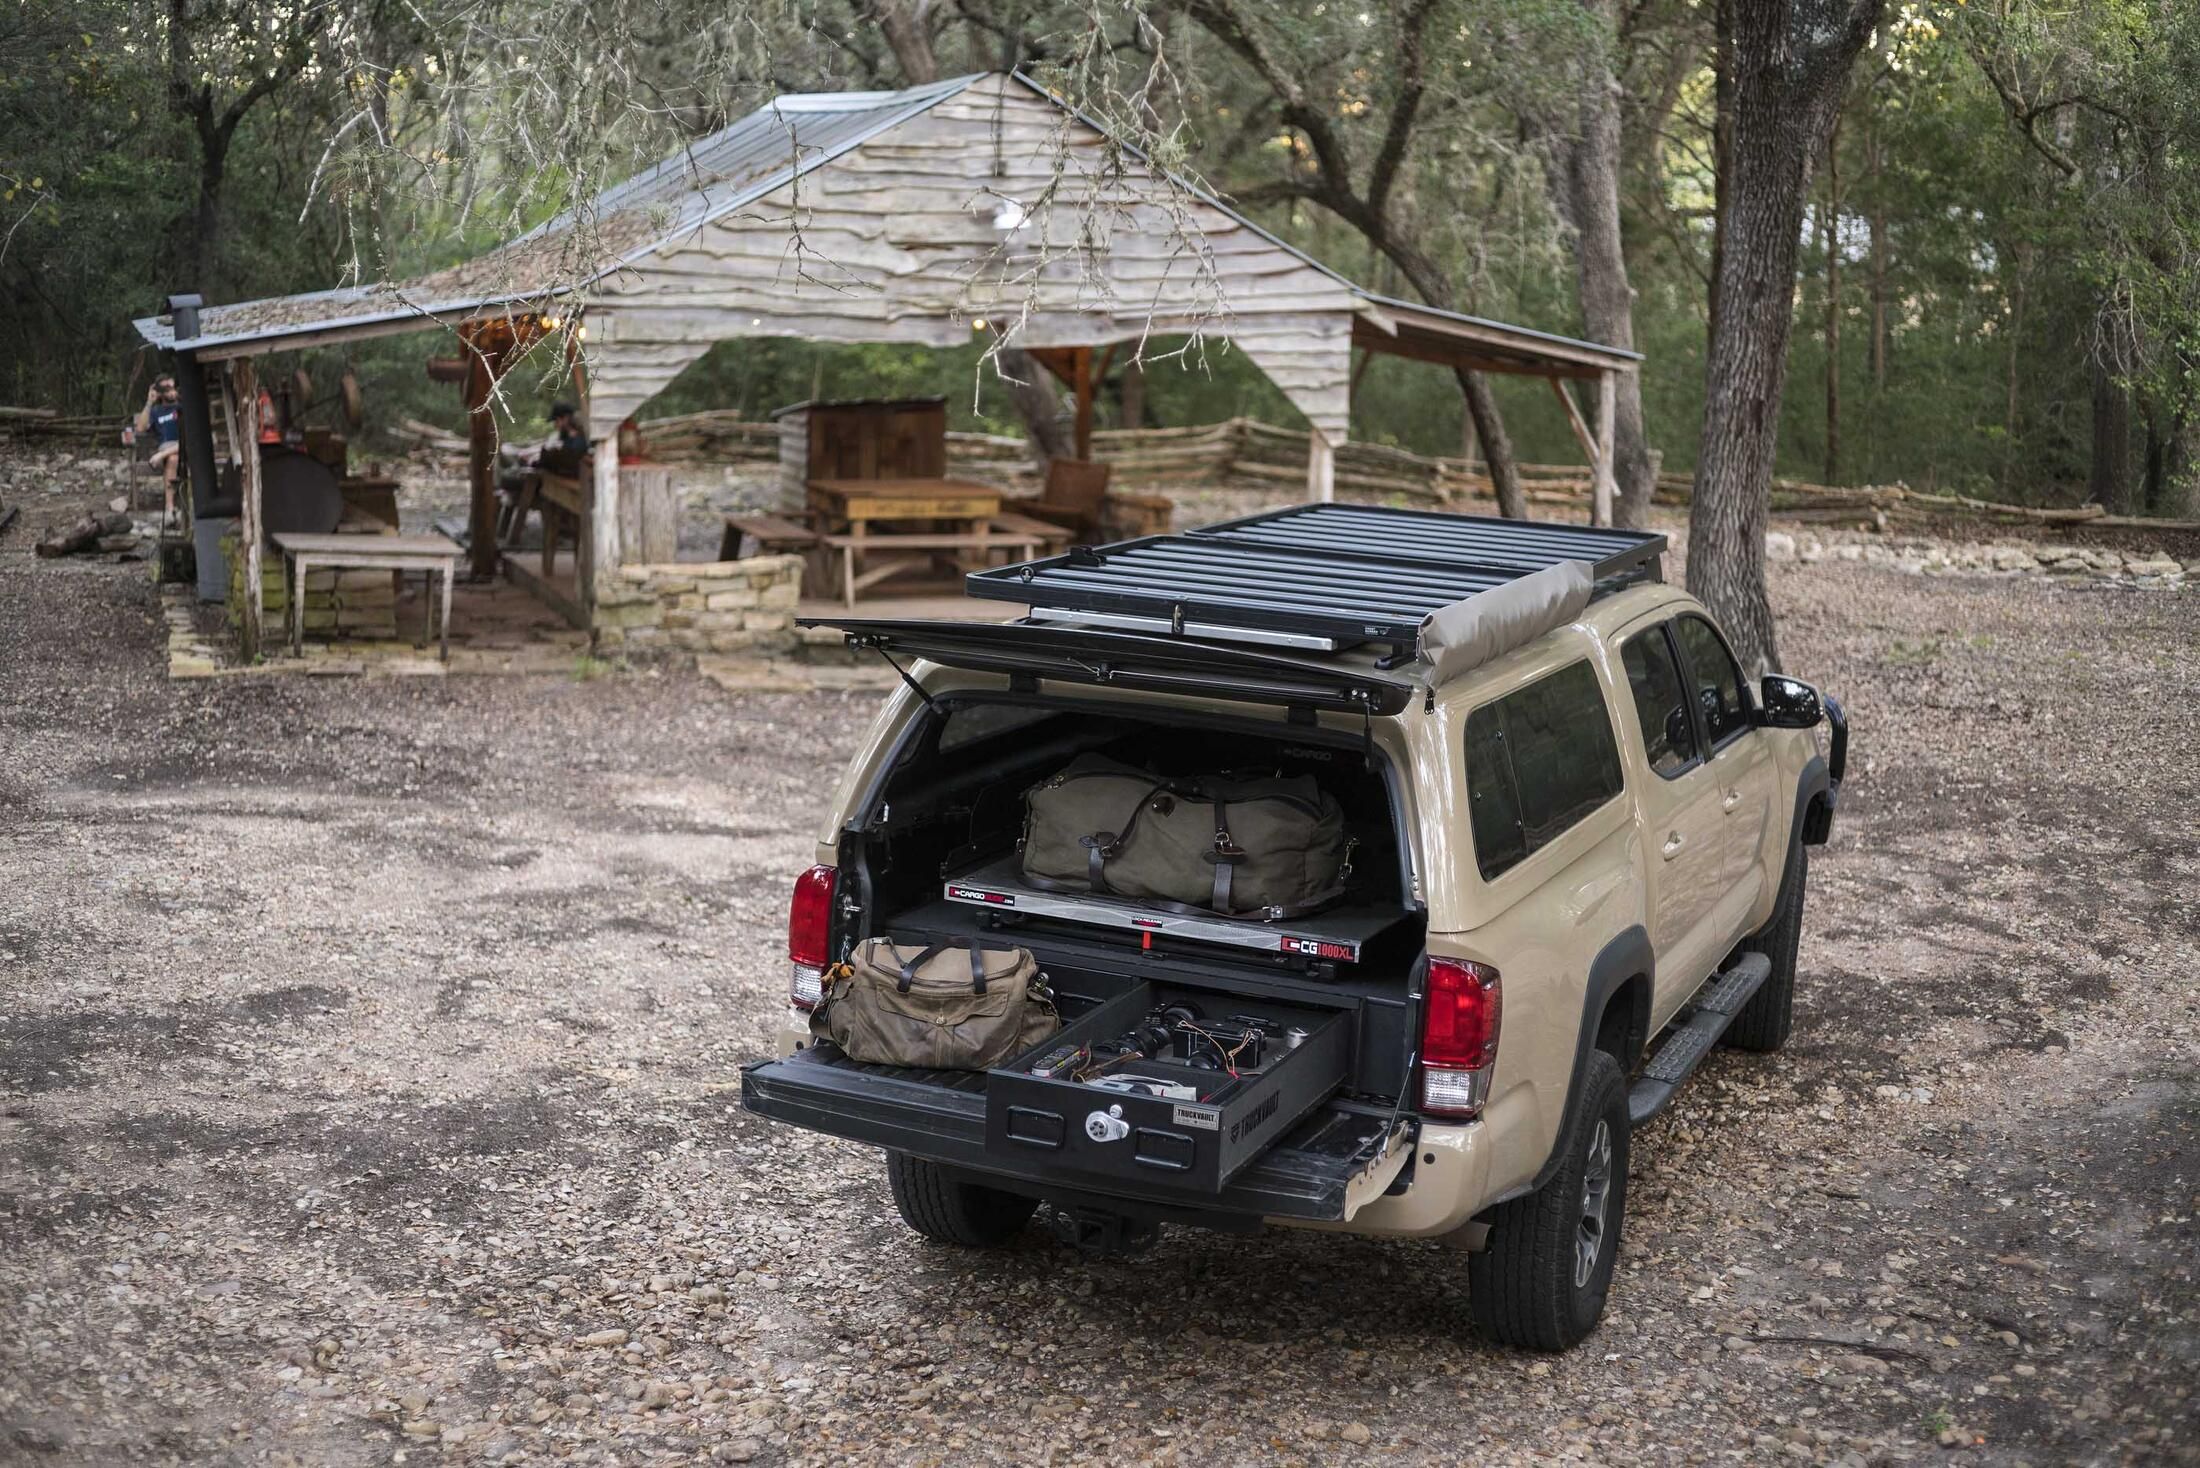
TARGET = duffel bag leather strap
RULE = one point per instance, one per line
(977, 968)
(908, 971)
(1103, 844)
(1226, 855)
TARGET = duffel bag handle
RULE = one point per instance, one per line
(907, 972)
(1103, 844)
(1226, 855)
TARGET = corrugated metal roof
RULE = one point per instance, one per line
(756, 154)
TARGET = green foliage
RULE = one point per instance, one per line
(2032, 170)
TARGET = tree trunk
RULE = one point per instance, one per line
(2154, 465)
(1830, 233)
(2109, 482)
(1722, 144)
(901, 22)
(2180, 495)
(1592, 163)
(1031, 388)
(2018, 259)
(206, 217)
(1131, 404)
(1879, 257)
(1789, 60)
(1497, 449)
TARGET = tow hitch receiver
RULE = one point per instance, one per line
(1100, 1234)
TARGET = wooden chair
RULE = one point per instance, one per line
(763, 535)
(1075, 498)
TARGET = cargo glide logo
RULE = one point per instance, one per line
(979, 894)
(1317, 947)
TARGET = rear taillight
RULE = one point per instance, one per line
(1459, 1039)
(810, 934)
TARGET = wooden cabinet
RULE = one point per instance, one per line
(903, 438)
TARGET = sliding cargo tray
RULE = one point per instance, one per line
(1340, 932)
(1177, 1126)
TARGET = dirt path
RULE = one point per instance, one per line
(367, 1059)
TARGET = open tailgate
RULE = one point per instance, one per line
(1337, 1158)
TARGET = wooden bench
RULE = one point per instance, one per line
(1048, 534)
(558, 498)
(763, 535)
(428, 554)
(853, 547)
(1133, 515)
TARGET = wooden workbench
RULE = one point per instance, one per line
(427, 554)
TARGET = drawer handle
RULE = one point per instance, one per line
(1036, 1128)
(1149, 1145)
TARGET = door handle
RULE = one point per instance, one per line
(1733, 798)
(1673, 845)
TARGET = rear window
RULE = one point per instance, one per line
(970, 722)
(1539, 760)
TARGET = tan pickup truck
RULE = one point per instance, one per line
(1579, 841)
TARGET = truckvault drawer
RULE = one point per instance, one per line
(1037, 1125)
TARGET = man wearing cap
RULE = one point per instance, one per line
(161, 421)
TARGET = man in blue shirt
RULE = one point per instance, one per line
(162, 419)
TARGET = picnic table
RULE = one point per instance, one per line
(858, 518)
(427, 554)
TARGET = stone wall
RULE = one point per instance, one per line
(702, 606)
(345, 602)
(2151, 569)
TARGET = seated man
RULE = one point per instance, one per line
(561, 453)
(162, 419)
(568, 444)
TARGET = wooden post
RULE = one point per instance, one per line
(244, 412)
(1600, 500)
(1082, 381)
(598, 556)
(1605, 485)
(481, 458)
(1321, 468)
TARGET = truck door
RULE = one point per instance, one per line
(1742, 766)
(1682, 815)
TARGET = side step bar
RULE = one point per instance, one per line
(1690, 1041)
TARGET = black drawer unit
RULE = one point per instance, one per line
(1037, 1125)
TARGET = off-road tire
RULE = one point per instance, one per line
(1526, 1289)
(1764, 1023)
(942, 1207)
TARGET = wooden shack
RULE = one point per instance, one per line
(983, 204)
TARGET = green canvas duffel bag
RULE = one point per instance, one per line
(946, 1007)
(1264, 847)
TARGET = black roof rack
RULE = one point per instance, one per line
(1317, 576)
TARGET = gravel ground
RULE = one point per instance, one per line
(368, 1065)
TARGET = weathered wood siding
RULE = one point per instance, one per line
(896, 241)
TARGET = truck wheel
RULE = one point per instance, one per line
(942, 1207)
(1541, 1282)
(1764, 1022)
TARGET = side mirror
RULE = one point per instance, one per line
(1790, 703)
